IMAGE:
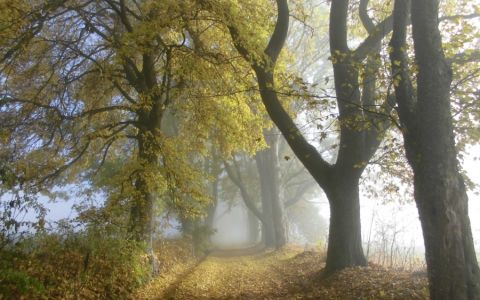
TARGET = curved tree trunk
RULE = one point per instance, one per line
(357, 107)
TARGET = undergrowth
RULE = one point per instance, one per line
(90, 264)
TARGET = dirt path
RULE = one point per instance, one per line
(285, 274)
(247, 251)
(259, 276)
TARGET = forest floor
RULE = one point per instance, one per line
(290, 273)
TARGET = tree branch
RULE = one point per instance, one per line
(302, 190)
(247, 199)
(367, 22)
(375, 37)
(404, 91)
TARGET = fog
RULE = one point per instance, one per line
(389, 228)
(231, 227)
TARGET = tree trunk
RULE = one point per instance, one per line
(268, 227)
(142, 217)
(212, 208)
(440, 192)
(442, 206)
(268, 170)
(268, 232)
(358, 142)
(253, 227)
(344, 239)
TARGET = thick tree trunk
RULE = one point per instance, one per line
(344, 240)
(442, 204)
(440, 192)
(142, 219)
(268, 232)
(142, 222)
(358, 142)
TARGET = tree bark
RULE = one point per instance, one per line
(345, 240)
(440, 192)
(142, 216)
(141, 219)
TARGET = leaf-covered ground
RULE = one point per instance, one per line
(286, 274)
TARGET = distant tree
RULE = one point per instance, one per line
(274, 177)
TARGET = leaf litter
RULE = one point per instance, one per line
(289, 273)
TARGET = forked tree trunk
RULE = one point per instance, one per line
(440, 192)
(358, 142)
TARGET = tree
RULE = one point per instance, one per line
(272, 214)
(424, 109)
(361, 119)
(279, 180)
(268, 190)
(85, 82)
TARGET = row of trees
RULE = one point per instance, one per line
(151, 102)
(424, 112)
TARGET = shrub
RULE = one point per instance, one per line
(90, 264)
